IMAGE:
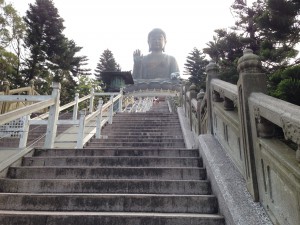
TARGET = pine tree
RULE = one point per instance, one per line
(44, 37)
(107, 63)
(225, 50)
(195, 67)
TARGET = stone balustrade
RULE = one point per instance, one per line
(259, 133)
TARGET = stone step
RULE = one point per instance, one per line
(137, 186)
(147, 122)
(106, 218)
(138, 137)
(143, 126)
(112, 139)
(110, 202)
(142, 129)
(147, 115)
(138, 144)
(188, 173)
(179, 152)
(145, 119)
(112, 161)
(174, 133)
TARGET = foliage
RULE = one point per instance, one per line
(195, 67)
(44, 37)
(271, 29)
(12, 30)
(107, 63)
(225, 49)
(85, 84)
(286, 84)
(8, 71)
(53, 57)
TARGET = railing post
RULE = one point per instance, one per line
(121, 100)
(24, 137)
(193, 94)
(81, 127)
(5, 105)
(53, 117)
(200, 97)
(31, 85)
(75, 108)
(186, 88)
(212, 72)
(250, 80)
(111, 111)
(99, 119)
(92, 100)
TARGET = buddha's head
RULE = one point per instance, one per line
(157, 40)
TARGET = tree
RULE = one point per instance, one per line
(286, 84)
(53, 57)
(273, 29)
(44, 37)
(12, 30)
(107, 63)
(195, 67)
(85, 84)
(225, 49)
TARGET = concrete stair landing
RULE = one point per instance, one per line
(138, 173)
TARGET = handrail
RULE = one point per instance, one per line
(61, 108)
(227, 89)
(9, 116)
(275, 110)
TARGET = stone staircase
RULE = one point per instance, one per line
(138, 173)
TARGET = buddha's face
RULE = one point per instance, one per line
(156, 42)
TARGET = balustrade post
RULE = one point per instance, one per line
(181, 96)
(193, 94)
(92, 100)
(200, 97)
(121, 100)
(250, 80)
(99, 119)
(212, 72)
(75, 108)
(186, 88)
(111, 111)
(25, 130)
(81, 128)
(53, 117)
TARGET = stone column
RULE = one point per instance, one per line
(250, 80)
(193, 94)
(212, 72)
(200, 97)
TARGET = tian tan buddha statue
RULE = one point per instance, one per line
(156, 66)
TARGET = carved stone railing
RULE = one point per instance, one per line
(259, 133)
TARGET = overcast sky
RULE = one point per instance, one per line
(123, 25)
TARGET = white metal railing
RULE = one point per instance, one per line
(42, 102)
(52, 101)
